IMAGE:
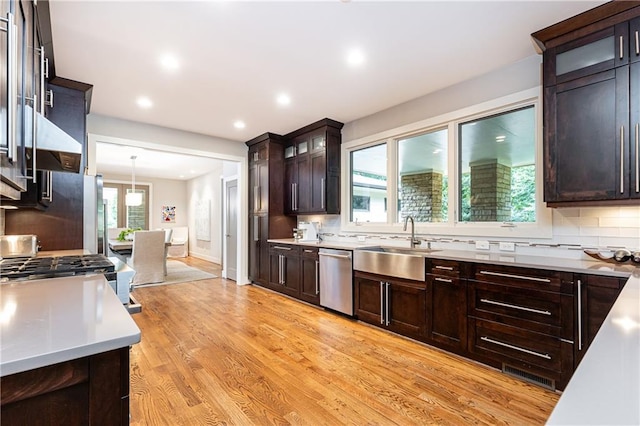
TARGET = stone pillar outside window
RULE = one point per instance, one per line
(421, 195)
(490, 191)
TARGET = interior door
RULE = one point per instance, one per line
(231, 235)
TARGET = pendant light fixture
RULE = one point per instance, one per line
(133, 198)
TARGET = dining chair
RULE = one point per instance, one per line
(148, 257)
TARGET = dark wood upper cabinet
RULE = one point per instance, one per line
(592, 107)
(312, 169)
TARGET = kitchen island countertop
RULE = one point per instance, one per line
(45, 322)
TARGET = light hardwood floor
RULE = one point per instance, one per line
(213, 352)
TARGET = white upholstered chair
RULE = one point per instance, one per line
(148, 257)
(168, 232)
(179, 242)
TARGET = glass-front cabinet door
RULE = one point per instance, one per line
(601, 51)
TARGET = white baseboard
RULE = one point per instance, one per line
(205, 257)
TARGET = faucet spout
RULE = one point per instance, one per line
(414, 242)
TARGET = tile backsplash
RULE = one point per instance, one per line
(573, 230)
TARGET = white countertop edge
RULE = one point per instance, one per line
(44, 360)
(605, 388)
(45, 306)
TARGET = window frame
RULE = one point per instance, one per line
(541, 228)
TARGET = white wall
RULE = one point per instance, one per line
(116, 128)
(522, 75)
(207, 188)
(585, 227)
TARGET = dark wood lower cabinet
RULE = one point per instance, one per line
(522, 320)
(284, 269)
(596, 294)
(93, 390)
(395, 304)
(309, 275)
(447, 312)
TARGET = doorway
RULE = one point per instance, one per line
(231, 229)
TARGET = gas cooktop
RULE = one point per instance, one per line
(32, 268)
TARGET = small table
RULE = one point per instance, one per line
(122, 249)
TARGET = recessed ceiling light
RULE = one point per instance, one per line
(437, 151)
(181, 176)
(239, 124)
(500, 138)
(283, 99)
(144, 102)
(355, 57)
(169, 62)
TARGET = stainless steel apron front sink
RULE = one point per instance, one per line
(397, 262)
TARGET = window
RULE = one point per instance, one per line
(468, 172)
(369, 181)
(121, 216)
(497, 168)
(422, 177)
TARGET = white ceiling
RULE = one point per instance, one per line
(235, 57)
(115, 159)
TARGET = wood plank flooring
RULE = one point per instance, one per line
(215, 353)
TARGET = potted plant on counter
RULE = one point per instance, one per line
(127, 234)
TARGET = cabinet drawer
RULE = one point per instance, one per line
(537, 279)
(449, 268)
(523, 348)
(285, 249)
(311, 252)
(535, 310)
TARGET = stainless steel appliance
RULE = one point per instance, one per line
(95, 229)
(18, 246)
(336, 280)
(117, 273)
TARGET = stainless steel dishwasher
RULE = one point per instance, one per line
(336, 280)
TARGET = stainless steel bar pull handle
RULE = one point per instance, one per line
(446, 268)
(386, 297)
(255, 198)
(34, 142)
(317, 277)
(49, 191)
(520, 277)
(44, 73)
(509, 305)
(621, 48)
(284, 270)
(443, 280)
(622, 159)
(12, 83)
(637, 44)
(322, 193)
(517, 348)
(637, 157)
(339, 256)
(382, 302)
(49, 102)
(281, 248)
(256, 229)
(580, 314)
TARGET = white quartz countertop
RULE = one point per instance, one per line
(320, 244)
(622, 270)
(605, 389)
(44, 322)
